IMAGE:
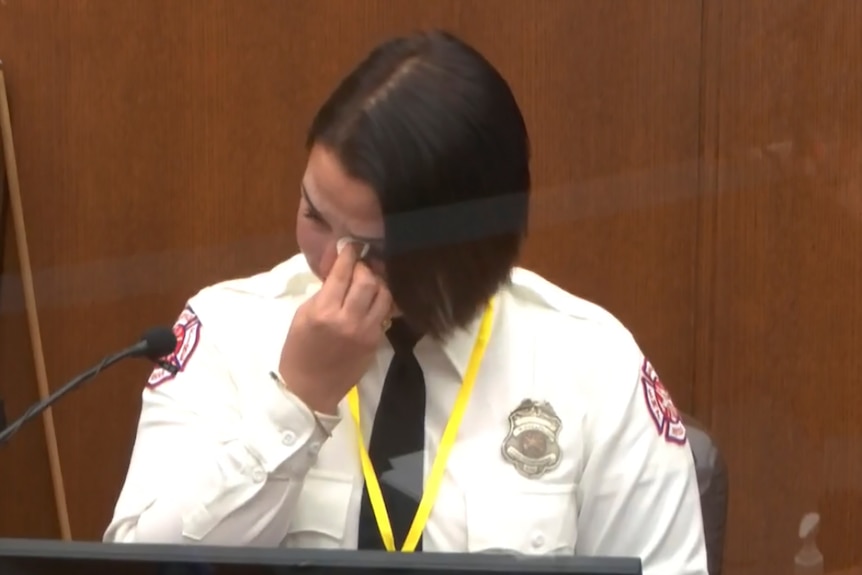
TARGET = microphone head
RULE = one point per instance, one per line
(158, 342)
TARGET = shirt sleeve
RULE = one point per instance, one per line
(639, 494)
(215, 461)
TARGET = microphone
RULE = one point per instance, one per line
(155, 343)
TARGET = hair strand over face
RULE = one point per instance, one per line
(435, 130)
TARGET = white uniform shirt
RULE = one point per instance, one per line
(226, 456)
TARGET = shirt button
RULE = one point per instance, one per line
(289, 438)
(258, 475)
(538, 540)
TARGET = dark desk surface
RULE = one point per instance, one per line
(34, 557)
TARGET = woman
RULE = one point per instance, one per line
(316, 404)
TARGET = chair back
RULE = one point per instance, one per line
(712, 480)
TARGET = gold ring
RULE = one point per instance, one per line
(387, 323)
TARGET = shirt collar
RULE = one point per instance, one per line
(302, 284)
(458, 347)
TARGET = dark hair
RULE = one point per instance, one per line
(435, 130)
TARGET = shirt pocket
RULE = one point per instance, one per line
(319, 519)
(539, 520)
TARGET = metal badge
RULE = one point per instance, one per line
(531, 444)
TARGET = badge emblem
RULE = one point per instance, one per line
(531, 444)
(664, 414)
(187, 331)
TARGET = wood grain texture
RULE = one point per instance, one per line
(785, 398)
(27, 507)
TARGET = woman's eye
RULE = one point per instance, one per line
(313, 216)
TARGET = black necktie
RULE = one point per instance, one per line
(397, 444)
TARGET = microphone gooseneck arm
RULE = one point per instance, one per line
(41, 406)
(155, 343)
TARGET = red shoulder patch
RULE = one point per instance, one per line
(187, 330)
(660, 405)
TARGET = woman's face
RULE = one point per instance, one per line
(333, 206)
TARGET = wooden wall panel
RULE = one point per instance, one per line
(785, 396)
(26, 494)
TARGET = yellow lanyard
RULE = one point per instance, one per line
(429, 496)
